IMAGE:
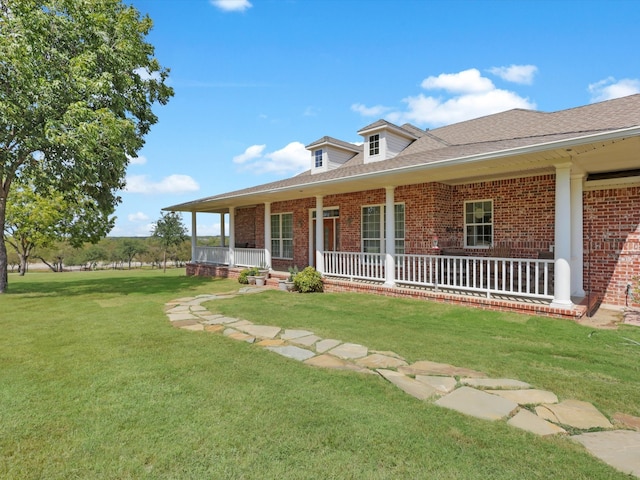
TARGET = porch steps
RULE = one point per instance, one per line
(274, 277)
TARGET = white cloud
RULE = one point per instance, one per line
(522, 74)
(254, 151)
(291, 159)
(609, 88)
(232, 5)
(172, 184)
(138, 217)
(365, 111)
(467, 81)
(434, 111)
(467, 94)
(139, 160)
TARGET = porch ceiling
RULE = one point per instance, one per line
(604, 153)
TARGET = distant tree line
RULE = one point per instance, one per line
(109, 253)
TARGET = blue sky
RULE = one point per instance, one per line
(256, 80)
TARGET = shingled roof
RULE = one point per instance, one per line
(492, 135)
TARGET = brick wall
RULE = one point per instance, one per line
(523, 211)
(245, 226)
(612, 242)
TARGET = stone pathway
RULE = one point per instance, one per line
(467, 391)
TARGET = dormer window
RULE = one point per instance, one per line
(374, 144)
(318, 158)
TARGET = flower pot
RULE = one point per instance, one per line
(261, 280)
(252, 279)
(282, 285)
(289, 286)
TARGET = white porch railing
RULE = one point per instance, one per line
(523, 277)
(219, 255)
(249, 257)
(355, 265)
(244, 257)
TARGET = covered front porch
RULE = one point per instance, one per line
(489, 276)
(545, 273)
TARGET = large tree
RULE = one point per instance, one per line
(77, 85)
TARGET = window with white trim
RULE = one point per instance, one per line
(374, 228)
(374, 144)
(318, 158)
(478, 223)
(282, 235)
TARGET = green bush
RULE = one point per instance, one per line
(308, 280)
(245, 273)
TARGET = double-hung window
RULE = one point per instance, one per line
(318, 158)
(374, 144)
(374, 228)
(282, 235)
(478, 223)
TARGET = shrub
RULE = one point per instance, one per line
(308, 280)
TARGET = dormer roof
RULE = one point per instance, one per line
(334, 142)
(411, 133)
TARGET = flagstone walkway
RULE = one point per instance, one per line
(464, 390)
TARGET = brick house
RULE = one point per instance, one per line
(520, 210)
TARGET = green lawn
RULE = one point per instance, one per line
(95, 383)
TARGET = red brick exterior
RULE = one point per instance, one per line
(523, 217)
(612, 243)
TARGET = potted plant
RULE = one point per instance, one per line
(289, 285)
(252, 273)
(263, 269)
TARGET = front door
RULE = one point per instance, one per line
(331, 229)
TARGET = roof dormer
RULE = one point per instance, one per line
(328, 153)
(384, 140)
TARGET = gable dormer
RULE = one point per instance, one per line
(384, 140)
(328, 153)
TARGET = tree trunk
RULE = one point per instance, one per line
(4, 260)
(23, 264)
(164, 262)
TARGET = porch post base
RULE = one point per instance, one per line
(389, 284)
(561, 304)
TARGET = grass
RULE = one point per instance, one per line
(95, 383)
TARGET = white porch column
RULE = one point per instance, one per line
(577, 237)
(390, 238)
(267, 234)
(194, 236)
(232, 236)
(562, 280)
(319, 234)
(222, 232)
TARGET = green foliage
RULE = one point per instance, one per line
(35, 221)
(293, 271)
(77, 85)
(308, 280)
(170, 232)
(247, 272)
